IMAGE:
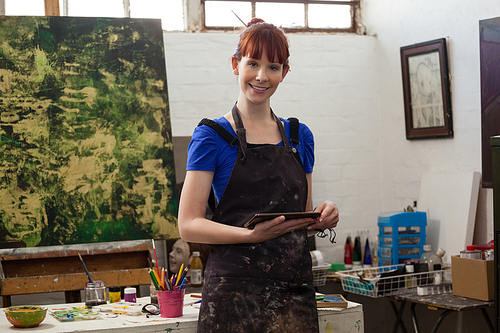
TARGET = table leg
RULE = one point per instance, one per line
(440, 320)
(414, 317)
(399, 316)
(488, 321)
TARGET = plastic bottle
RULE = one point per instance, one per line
(348, 253)
(436, 259)
(424, 257)
(438, 278)
(196, 270)
(410, 279)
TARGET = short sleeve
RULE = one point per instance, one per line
(202, 150)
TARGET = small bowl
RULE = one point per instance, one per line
(25, 315)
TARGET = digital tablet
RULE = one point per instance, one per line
(259, 217)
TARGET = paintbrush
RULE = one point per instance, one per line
(156, 259)
(85, 268)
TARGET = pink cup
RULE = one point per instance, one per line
(171, 303)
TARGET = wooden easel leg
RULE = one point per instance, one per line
(72, 296)
(6, 301)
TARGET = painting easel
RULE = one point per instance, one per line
(58, 268)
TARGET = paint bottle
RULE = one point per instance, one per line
(348, 253)
(130, 295)
(368, 258)
(356, 253)
(196, 270)
(114, 294)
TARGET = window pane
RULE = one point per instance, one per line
(286, 15)
(329, 16)
(25, 8)
(96, 8)
(218, 13)
(170, 12)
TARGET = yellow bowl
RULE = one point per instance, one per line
(25, 315)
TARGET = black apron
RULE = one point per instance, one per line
(264, 287)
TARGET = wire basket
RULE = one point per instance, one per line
(319, 275)
(389, 280)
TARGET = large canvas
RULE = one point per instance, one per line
(85, 140)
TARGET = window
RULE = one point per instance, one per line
(180, 15)
(292, 15)
(169, 11)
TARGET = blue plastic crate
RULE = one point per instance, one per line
(402, 236)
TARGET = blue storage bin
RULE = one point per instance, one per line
(402, 236)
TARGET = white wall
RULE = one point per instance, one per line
(348, 90)
(399, 23)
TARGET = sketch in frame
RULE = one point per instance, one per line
(426, 90)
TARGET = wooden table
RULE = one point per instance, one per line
(446, 302)
(330, 320)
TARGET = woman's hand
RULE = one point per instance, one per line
(278, 226)
(329, 216)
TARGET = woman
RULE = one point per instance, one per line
(260, 279)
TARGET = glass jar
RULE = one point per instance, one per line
(95, 294)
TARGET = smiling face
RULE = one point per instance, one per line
(259, 78)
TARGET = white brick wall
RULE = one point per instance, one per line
(331, 87)
(348, 90)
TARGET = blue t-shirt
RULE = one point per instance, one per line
(208, 151)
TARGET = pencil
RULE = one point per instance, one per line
(155, 283)
(162, 278)
(179, 275)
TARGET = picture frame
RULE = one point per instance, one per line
(426, 90)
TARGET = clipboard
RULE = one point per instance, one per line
(259, 217)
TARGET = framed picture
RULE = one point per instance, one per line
(426, 89)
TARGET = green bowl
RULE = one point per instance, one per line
(25, 315)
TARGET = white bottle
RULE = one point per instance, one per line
(436, 259)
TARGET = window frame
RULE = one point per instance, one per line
(355, 9)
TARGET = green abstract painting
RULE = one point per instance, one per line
(85, 139)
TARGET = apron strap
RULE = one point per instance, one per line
(241, 132)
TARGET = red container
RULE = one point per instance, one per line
(171, 303)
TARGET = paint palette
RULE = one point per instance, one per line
(126, 308)
(74, 313)
(331, 301)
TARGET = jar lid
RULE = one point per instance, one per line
(427, 247)
(114, 289)
(129, 291)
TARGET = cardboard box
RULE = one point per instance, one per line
(473, 278)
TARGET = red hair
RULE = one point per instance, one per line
(259, 36)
